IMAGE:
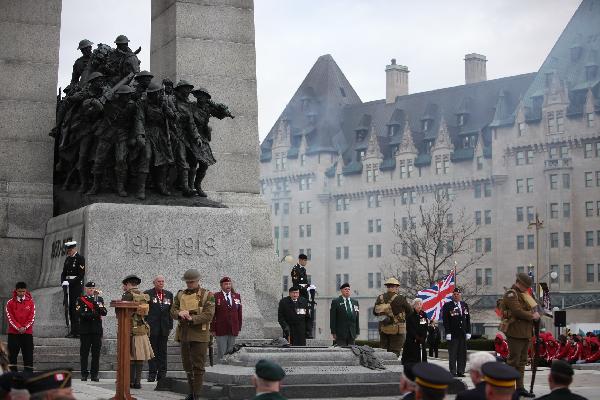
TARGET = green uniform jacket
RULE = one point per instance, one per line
(342, 325)
(196, 330)
(521, 319)
(396, 310)
(269, 396)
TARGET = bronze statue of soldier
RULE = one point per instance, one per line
(85, 46)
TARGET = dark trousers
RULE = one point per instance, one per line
(158, 365)
(74, 293)
(24, 344)
(457, 353)
(433, 350)
(93, 343)
(349, 341)
(298, 335)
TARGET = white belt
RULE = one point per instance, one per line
(71, 277)
(303, 285)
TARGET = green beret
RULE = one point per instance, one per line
(270, 371)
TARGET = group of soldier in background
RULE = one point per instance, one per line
(117, 126)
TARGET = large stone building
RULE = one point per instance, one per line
(338, 172)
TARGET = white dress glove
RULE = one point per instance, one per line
(65, 283)
(468, 336)
(448, 336)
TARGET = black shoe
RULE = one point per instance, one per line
(95, 379)
(151, 378)
(69, 335)
(84, 378)
(136, 386)
(460, 375)
(521, 392)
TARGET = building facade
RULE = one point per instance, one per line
(339, 174)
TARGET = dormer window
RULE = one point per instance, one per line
(428, 146)
(591, 72)
(425, 124)
(360, 155)
(590, 119)
(393, 130)
(521, 128)
(361, 134)
(302, 159)
(461, 119)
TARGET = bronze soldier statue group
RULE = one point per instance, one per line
(122, 129)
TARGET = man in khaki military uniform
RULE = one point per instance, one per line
(518, 314)
(392, 308)
(194, 308)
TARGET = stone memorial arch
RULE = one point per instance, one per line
(208, 42)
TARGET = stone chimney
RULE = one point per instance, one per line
(396, 81)
(475, 68)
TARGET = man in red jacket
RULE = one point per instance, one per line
(227, 322)
(20, 311)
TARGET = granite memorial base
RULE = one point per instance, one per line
(146, 240)
(311, 372)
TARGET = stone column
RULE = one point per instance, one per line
(210, 43)
(30, 35)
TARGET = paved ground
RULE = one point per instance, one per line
(586, 383)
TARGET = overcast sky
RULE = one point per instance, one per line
(430, 37)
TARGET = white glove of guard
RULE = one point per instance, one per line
(448, 336)
(468, 336)
(65, 283)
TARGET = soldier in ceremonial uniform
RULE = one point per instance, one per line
(432, 381)
(294, 317)
(72, 281)
(267, 380)
(85, 46)
(90, 309)
(457, 326)
(160, 322)
(392, 309)
(299, 277)
(194, 308)
(141, 350)
(517, 312)
(499, 380)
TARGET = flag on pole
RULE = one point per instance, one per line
(437, 295)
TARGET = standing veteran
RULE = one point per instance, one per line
(343, 318)
(160, 322)
(194, 308)
(457, 325)
(517, 312)
(294, 318)
(415, 349)
(227, 322)
(392, 308)
(90, 309)
(141, 350)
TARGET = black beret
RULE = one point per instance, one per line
(294, 289)
(499, 374)
(269, 370)
(457, 290)
(345, 285)
(133, 279)
(48, 380)
(561, 367)
(432, 376)
(90, 284)
(302, 257)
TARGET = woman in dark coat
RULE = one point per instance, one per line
(415, 348)
(433, 339)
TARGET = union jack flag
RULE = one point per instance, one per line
(436, 296)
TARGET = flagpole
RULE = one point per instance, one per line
(455, 275)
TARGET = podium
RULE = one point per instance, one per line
(124, 311)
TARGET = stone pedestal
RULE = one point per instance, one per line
(211, 44)
(122, 239)
(30, 32)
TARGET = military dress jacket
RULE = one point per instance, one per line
(520, 316)
(395, 307)
(457, 321)
(561, 394)
(342, 324)
(293, 314)
(159, 313)
(73, 270)
(90, 312)
(202, 311)
(227, 320)
(299, 276)
(269, 396)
